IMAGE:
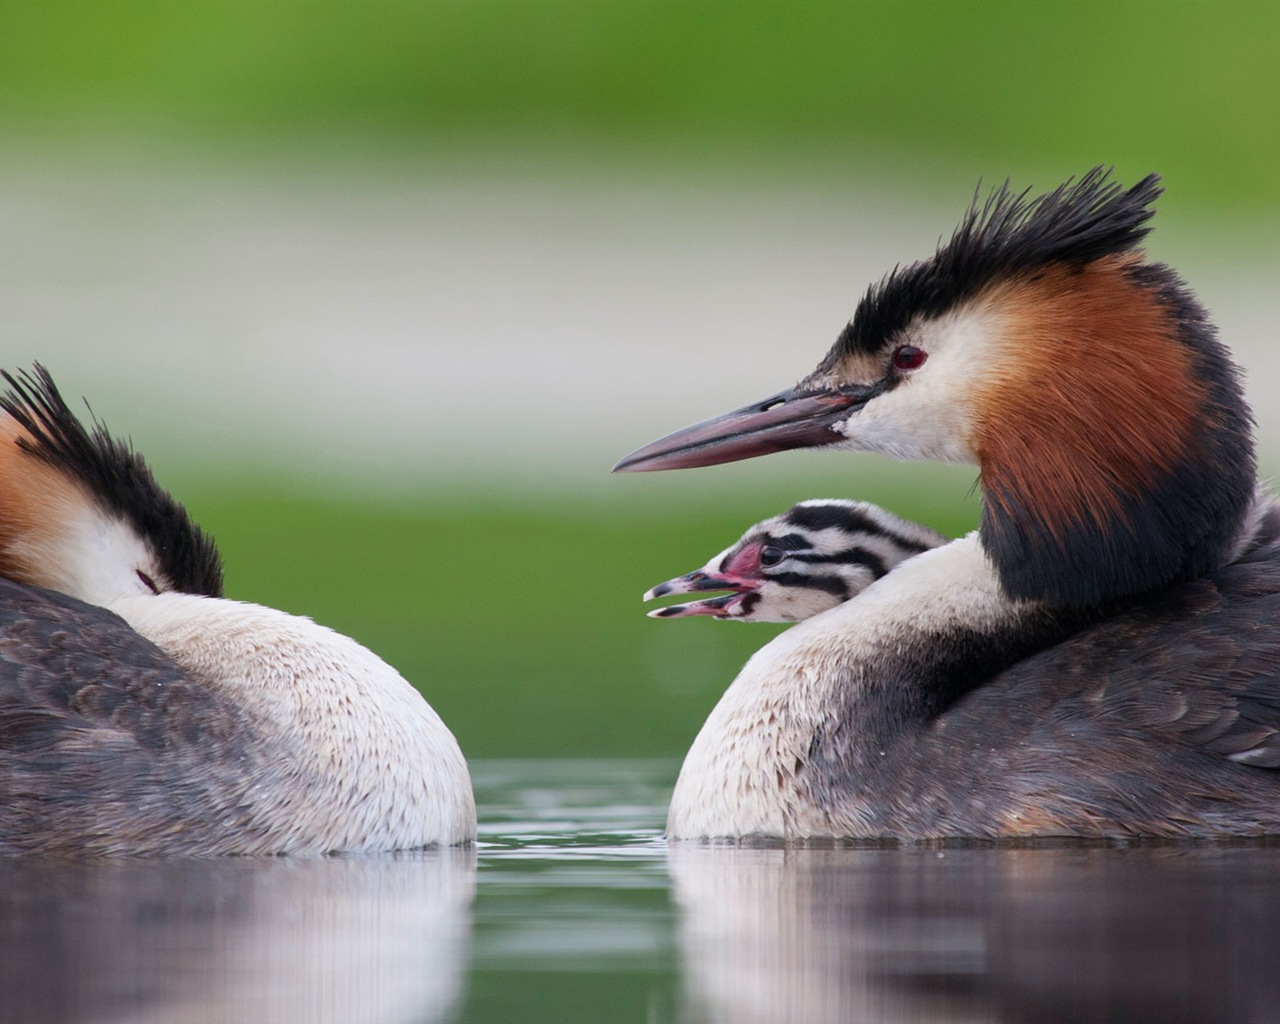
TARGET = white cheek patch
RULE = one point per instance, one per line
(929, 414)
(107, 555)
(90, 556)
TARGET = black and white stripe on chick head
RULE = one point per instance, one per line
(814, 556)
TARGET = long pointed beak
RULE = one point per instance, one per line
(789, 419)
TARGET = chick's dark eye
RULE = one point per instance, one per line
(148, 581)
(771, 556)
(908, 357)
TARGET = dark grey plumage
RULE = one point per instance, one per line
(105, 745)
(1161, 719)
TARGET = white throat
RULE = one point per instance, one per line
(742, 775)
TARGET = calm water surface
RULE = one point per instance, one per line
(573, 908)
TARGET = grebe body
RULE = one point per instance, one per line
(141, 713)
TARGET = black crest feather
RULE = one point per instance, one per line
(1076, 223)
(116, 476)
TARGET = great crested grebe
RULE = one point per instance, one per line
(814, 556)
(1102, 656)
(141, 713)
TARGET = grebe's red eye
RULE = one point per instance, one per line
(908, 357)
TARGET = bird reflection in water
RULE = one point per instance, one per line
(1045, 933)
(379, 939)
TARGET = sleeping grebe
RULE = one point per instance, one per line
(814, 556)
(1102, 656)
(141, 713)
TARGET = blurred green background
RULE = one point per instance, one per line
(382, 289)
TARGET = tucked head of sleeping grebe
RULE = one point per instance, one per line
(82, 512)
(813, 557)
(1102, 657)
(140, 713)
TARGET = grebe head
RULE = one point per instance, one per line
(1108, 422)
(814, 556)
(80, 511)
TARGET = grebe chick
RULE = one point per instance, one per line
(1102, 656)
(814, 556)
(141, 713)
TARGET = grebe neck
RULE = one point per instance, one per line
(826, 702)
(1116, 449)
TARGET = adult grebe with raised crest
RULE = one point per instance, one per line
(1102, 656)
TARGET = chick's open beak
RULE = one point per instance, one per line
(696, 582)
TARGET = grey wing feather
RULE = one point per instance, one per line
(1163, 719)
(1224, 667)
(104, 742)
